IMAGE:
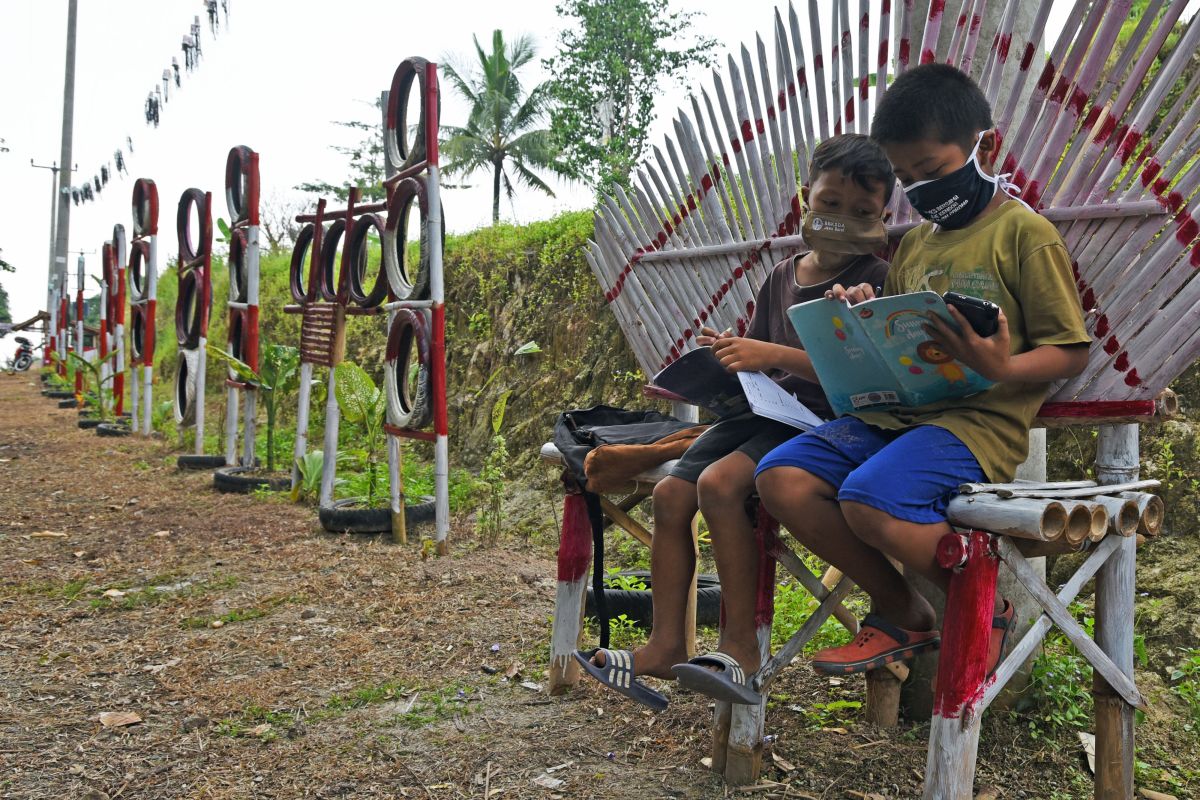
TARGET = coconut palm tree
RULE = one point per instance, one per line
(502, 133)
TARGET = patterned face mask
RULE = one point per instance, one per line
(842, 233)
(953, 200)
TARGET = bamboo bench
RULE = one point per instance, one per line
(1099, 148)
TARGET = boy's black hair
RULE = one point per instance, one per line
(932, 101)
(858, 158)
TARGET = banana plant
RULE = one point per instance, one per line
(278, 374)
(362, 404)
(93, 379)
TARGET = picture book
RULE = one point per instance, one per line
(876, 354)
(699, 378)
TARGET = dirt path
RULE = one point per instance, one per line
(265, 658)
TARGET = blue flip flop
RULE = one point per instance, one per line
(727, 683)
(617, 674)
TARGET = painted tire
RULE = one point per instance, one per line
(638, 606)
(137, 332)
(112, 429)
(145, 207)
(405, 284)
(185, 387)
(239, 285)
(241, 184)
(72, 403)
(139, 263)
(233, 480)
(189, 309)
(59, 394)
(344, 517)
(359, 245)
(120, 251)
(327, 276)
(298, 272)
(402, 153)
(87, 423)
(195, 462)
(189, 250)
(409, 406)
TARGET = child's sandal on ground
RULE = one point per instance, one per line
(727, 682)
(617, 674)
(877, 644)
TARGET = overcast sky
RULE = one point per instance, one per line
(274, 80)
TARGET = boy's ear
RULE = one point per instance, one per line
(989, 149)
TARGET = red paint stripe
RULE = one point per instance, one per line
(1046, 78)
(1128, 145)
(936, 8)
(1133, 379)
(1102, 326)
(927, 56)
(1060, 90)
(887, 7)
(966, 631)
(766, 534)
(883, 54)
(1078, 101)
(1111, 345)
(850, 110)
(437, 355)
(1002, 46)
(818, 62)
(575, 542)
(760, 127)
(903, 53)
(863, 87)
(1098, 408)
(1027, 56)
(1187, 230)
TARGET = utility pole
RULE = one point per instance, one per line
(62, 228)
(51, 271)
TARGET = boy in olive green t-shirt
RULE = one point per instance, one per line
(875, 485)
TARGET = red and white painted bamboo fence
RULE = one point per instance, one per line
(143, 281)
(241, 399)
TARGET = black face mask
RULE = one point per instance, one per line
(953, 200)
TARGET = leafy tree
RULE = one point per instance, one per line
(614, 57)
(502, 127)
(366, 162)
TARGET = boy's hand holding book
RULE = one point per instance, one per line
(708, 336)
(739, 354)
(851, 294)
(989, 356)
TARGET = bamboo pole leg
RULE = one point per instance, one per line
(883, 699)
(303, 403)
(962, 665)
(722, 718)
(747, 725)
(1116, 461)
(574, 564)
(231, 426)
(396, 490)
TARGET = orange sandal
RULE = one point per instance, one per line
(877, 644)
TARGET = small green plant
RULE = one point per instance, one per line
(1059, 695)
(1185, 683)
(100, 399)
(624, 583)
(278, 374)
(162, 417)
(310, 466)
(831, 714)
(362, 405)
(494, 474)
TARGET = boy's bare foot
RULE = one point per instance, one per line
(654, 659)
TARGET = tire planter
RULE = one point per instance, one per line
(199, 462)
(87, 423)
(72, 403)
(637, 605)
(344, 516)
(234, 480)
(60, 394)
(112, 429)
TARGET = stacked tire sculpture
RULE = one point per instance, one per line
(327, 288)
(143, 282)
(241, 197)
(192, 310)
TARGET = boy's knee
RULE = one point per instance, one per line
(872, 526)
(674, 497)
(781, 487)
(723, 485)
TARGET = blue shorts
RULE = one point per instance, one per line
(910, 474)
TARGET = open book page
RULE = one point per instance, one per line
(877, 354)
(768, 399)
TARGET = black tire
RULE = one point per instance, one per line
(359, 262)
(302, 292)
(87, 423)
(68, 403)
(233, 480)
(25, 362)
(112, 429)
(402, 153)
(199, 462)
(139, 262)
(190, 309)
(145, 207)
(345, 517)
(190, 251)
(409, 343)
(241, 185)
(638, 607)
(60, 394)
(329, 282)
(238, 279)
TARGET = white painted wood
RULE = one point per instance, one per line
(302, 408)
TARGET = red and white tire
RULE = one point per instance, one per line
(406, 283)
(302, 292)
(145, 208)
(241, 185)
(409, 391)
(397, 148)
(189, 250)
(186, 371)
(359, 263)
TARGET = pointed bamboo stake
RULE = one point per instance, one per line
(819, 81)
